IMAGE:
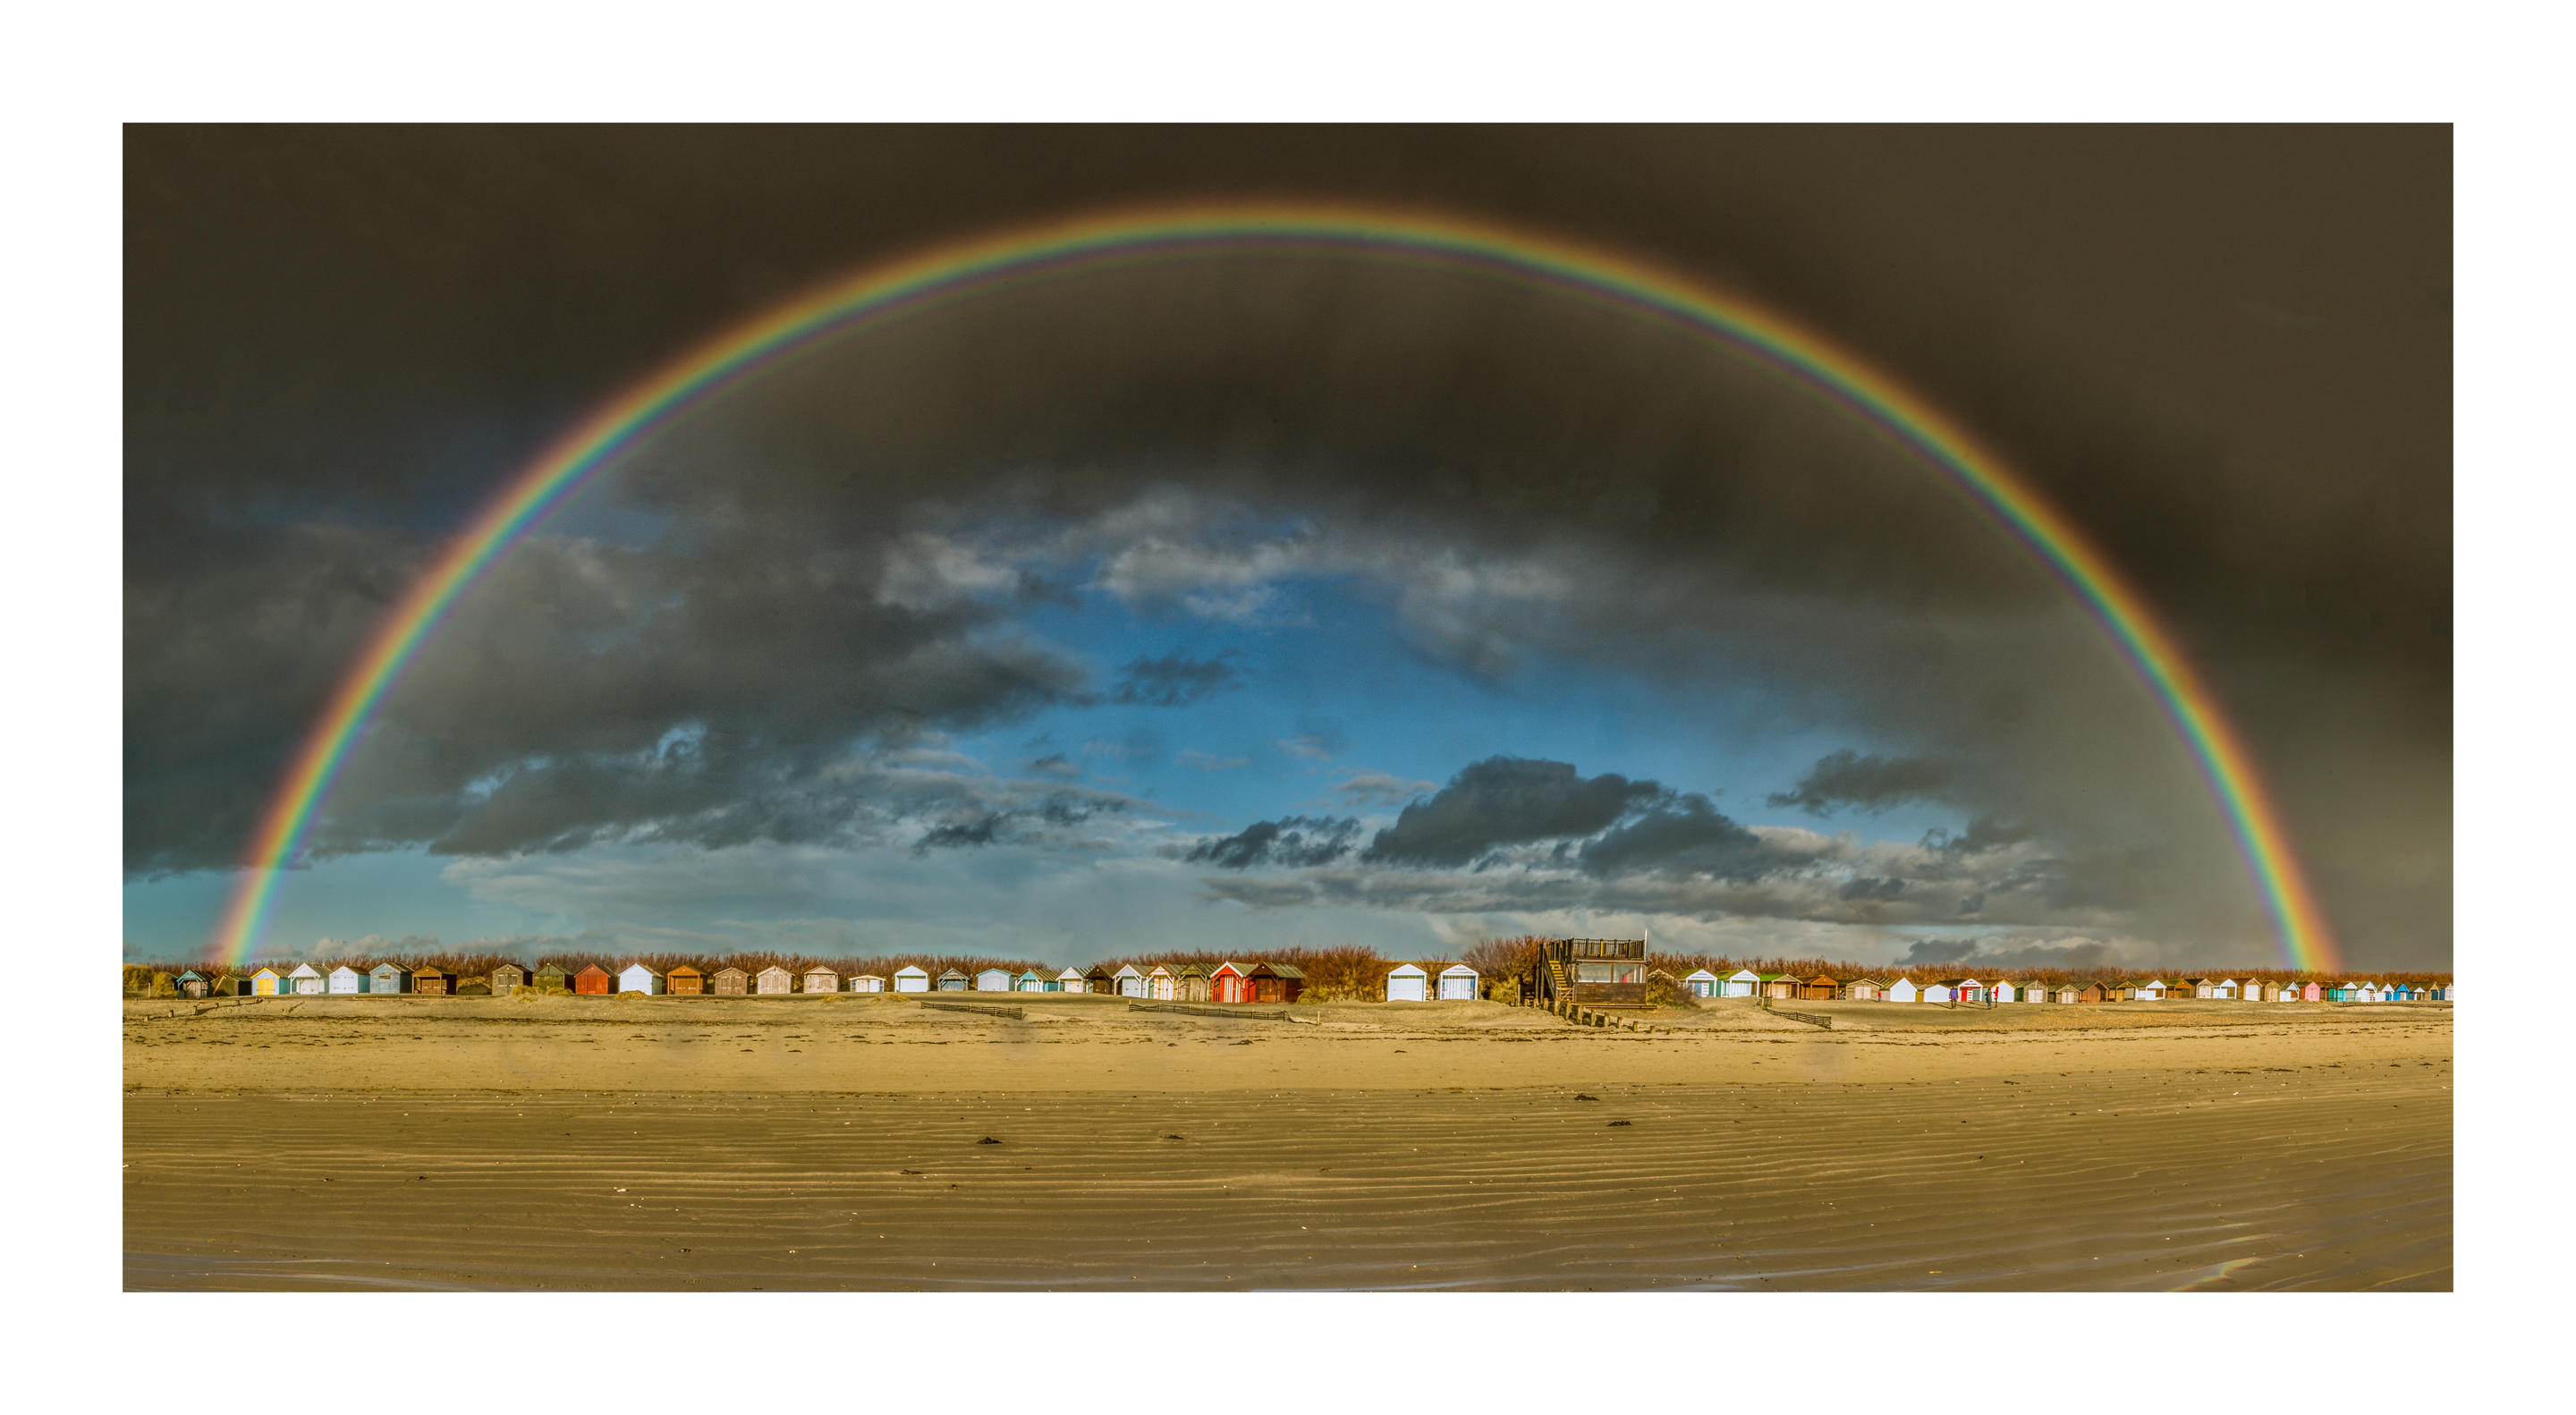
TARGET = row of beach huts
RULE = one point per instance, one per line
(1234, 982)
(1982, 992)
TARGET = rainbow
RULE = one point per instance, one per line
(950, 271)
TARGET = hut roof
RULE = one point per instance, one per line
(1459, 968)
(1961, 983)
(1873, 982)
(191, 973)
(1126, 970)
(305, 970)
(430, 970)
(1699, 974)
(589, 968)
(951, 973)
(1230, 966)
(1067, 973)
(1414, 969)
(684, 970)
(1285, 970)
(729, 968)
(1191, 970)
(878, 976)
(910, 970)
(1034, 973)
(1824, 978)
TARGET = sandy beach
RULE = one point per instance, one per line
(840, 1142)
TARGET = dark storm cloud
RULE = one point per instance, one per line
(1871, 782)
(1988, 955)
(1682, 834)
(341, 339)
(1290, 842)
(1174, 680)
(1506, 801)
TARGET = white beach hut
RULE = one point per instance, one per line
(1405, 984)
(821, 979)
(638, 978)
(866, 982)
(1703, 983)
(2367, 992)
(911, 979)
(773, 981)
(992, 980)
(1936, 992)
(1131, 981)
(1742, 983)
(1901, 990)
(308, 980)
(345, 979)
(1458, 983)
(1071, 980)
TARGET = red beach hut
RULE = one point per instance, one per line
(591, 981)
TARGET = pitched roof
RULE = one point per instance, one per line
(912, 968)
(1702, 973)
(1413, 968)
(1284, 970)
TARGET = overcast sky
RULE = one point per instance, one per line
(1292, 599)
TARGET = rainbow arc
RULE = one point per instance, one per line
(965, 268)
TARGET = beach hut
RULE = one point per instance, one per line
(264, 982)
(729, 981)
(1128, 981)
(684, 981)
(2152, 990)
(1458, 983)
(635, 977)
(2312, 992)
(1966, 990)
(1227, 982)
(192, 984)
(1937, 992)
(1741, 983)
(955, 980)
(867, 982)
(821, 979)
(1782, 986)
(432, 979)
(385, 977)
(307, 981)
(2368, 992)
(553, 977)
(1277, 982)
(993, 980)
(1901, 990)
(1160, 983)
(1405, 983)
(593, 981)
(1702, 983)
(909, 978)
(229, 985)
(2065, 993)
(1190, 983)
(1072, 980)
(1820, 988)
(1864, 990)
(348, 981)
(1031, 980)
(773, 981)
(507, 979)
(2191, 987)
(1100, 979)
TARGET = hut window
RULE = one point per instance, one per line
(1610, 972)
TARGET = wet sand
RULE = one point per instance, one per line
(802, 1143)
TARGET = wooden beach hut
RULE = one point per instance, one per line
(1277, 982)
(635, 977)
(1780, 986)
(307, 981)
(955, 980)
(1901, 990)
(1864, 990)
(593, 981)
(192, 984)
(993, 980)
(821, 979)
(1405, 983)
(684, 981)
(1702, 983)
(1459, 983)
(1229, 983)
(1072, 980)
(729, 981)
(1161, 984)
(507, 979)
(773, 981)
(385, 977)
(228, 985)
(1031, 980)
(432, 979)
(867, 982)
(553, 977)
(1190, 981)
(1820, 988)
(2312, 992)
(910, 978)
(2066, 993)
(473, 985)
(1100, 979)
(348, 981)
